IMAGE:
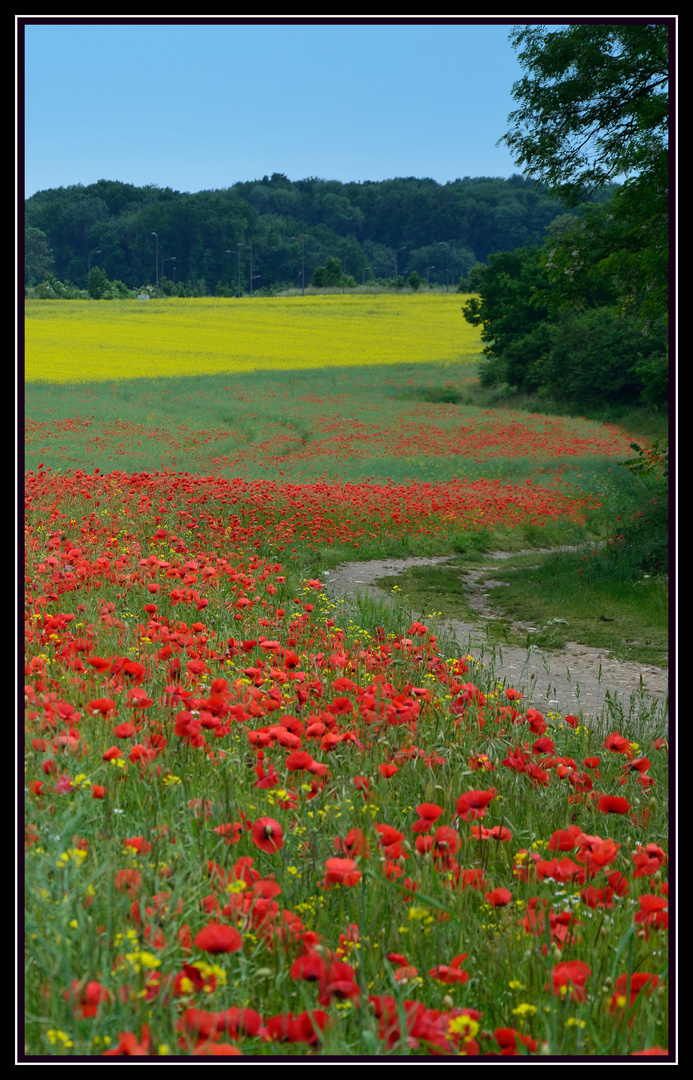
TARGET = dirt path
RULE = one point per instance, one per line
(564, 681)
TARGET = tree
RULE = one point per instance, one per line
(594, 108)
(97, 283)
(38, 256)
(329, 275)
(594, 105)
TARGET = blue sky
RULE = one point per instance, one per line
(204, 105)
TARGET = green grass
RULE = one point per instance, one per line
(629, 618)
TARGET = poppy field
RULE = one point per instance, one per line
(254, 826)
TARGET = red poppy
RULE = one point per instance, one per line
(499, 897)
(595, 898)
(565, 839)
(653, 911)
(138, 843)
(338, 982)
(639, 981)
(446, 841)
(428, 815)
(388, 834)
(648, 860)
(86, 998)
(311, 967)
(105, 706)
(305, 1028)
(128, 1046)
(267, 834)
(618, 744)
(613, 804)
(298, 761)
(498, 832)
(341, 872)
(473, 804)
(218, 938)
(570, 977)
(508, 1038)
(451, 973)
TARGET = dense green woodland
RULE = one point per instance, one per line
(374, 228)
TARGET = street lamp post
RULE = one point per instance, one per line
(169, 258)
(428, 276)
(445, 244)
(157, 262)
(397, 267)
(238, 253)
(302, 241)
(250, 245)
(364, 273)
(97, 252)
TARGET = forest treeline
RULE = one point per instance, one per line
(272, 234)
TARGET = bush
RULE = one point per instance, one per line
(599, 355)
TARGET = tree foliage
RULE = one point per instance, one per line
(593, 106)
(360, 224)
(585, 319)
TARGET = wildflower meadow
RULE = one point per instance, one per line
(256, 823)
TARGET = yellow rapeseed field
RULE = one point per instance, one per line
(107, 340)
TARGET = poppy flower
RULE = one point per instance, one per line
(639, 981)
(565, 839)
(428, 815)
(498, 832)
(595, 898)
(267, 834)
(499, 897)
(128, 1046)
(451, 973)
(104, 706)
(86, 999)
(446, 841)
(338, 982)
(507, 1039)
(341, 872)
(653, 911)
(648, 860)
(307, 1027)
(311, 967)
(618, 744)
(354, 843)
(298, 761)
(570, 978)
(388, 834)
(613, 804)
(473, 804)
(218, 938)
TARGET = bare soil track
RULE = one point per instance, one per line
(566, 681)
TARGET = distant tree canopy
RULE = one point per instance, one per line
(372, 229)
